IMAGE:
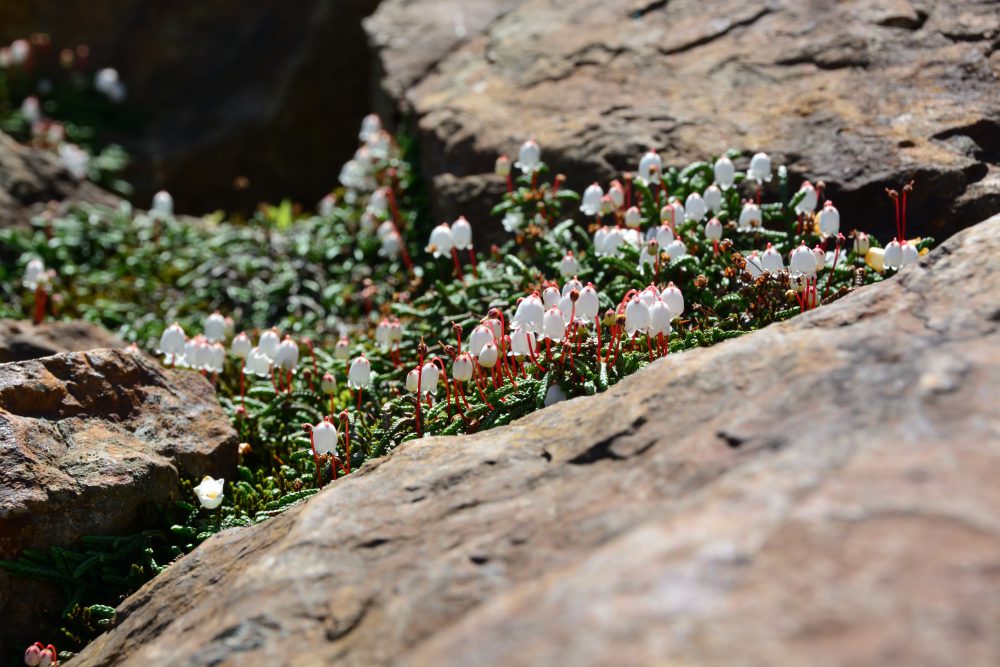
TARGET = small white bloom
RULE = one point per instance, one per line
(529, 314)
(502, 166)
(209, 492)
(328, 385)
(713, 229)
(676, 249)
(725, 172)
(664, 235)
(513, 220)
(441, 241)
(215, 327)
(636, 316)
(554, 327)
(528, 157)
(360, 374)
(633, 217)
(172, 343)
(750, 217)
(31, 110)
(489, 356)
(592, 196)
(478, 339)
(820, 256)
(587, 305)
(713, 198)
(430, 377)
(163, 204)
(861, 243)
(34, 273)
(650, 166)
(617, 194)
(648, 253)
(324, 437)
(754, 265)
(342, 350)
(522, 342)
(268, 343)
(809, 200)
(760, 168)
(370, 125)
(258, 363)
(461, 234)
(569, 266)
(550, 296)
(695, 207)
(241, 346)
(287, 355)
(462, 368)
(413, 381)
(829, 220)
(771, 260)
(659, 318)
(673, 298)
(802, 261)
(378, 203)
(392, 243)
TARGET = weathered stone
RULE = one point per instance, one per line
(32, 179)
(270, 91)
(822, 492)
(88, 441)
(21, 340)
(908, 92)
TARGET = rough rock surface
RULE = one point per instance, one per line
(87, 442)
(859, 94)
(21, 340)
(31, 178)
(269, 90)
(822, 492)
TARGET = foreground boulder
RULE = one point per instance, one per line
(821, 492)
(909, 91)
(21, 340)
(88, 441)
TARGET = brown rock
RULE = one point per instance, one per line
(31, 179)
(822, 492)
(87, 442)
(22, 340)
(860, 94)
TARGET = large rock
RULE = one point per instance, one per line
(21, 340)
(822, 492)
(88, 441)
(273, 91)
(33, 181)
(859, 94)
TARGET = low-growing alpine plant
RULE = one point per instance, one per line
(334, 338)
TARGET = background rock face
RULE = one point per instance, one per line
(822, 492)
(859, 94)
(22, 340)
(269, 90)
(31, 178)
(87, 442)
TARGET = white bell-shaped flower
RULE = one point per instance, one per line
(676, 249)
(750, 217)
(370, 124)
(430, 376)
(529, 314)
(462, 369)
(651, 166)
(809, 199)
(382, 335)
(241, 345)
(392, 244)
(600, 238)
(360, 374)
(910, 254)
(502, 166)
(550, 297)
(413, 380)
(215, 327)
(461, 234)
(328, 385)
(893, 254)
(528, 157)
(820, 256)
(172, 342)
(754, 265)
(268, 343)
(829, 220)
(480, 336)
(378, 202)
(771, 260)
(695, 207)
(612, 242)
(569, 266)
(664, 235)
(592, 196)
(342, 350)
(861, 243)
(713, 229)
(713, 198)
(163, 204)
(554, 327)
(216, 358)
(672, 296)
(34, 273)
(287, 355)
(802, 261)
(489, 356)
(725, 172)
(760, 168)
(636, 316)
(258, 363)
(522, 342)
(648, 253)
(324, 437)
(659, 318)
(633, 217)
(650, 295)
(441, 241)
(512, 221)
(209, 492)
(617, 194)
(572, 284)
(554, 394)
(588, 304)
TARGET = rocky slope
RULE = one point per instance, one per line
(909, 91)
(821, 492)
(22, 340)
(88, 442)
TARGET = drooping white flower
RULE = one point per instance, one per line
(750, 217)
(713, 198)
(522, 342)
(572, 284)
(650, 295)
(612, 242)
(771, 260)
(713, 229)
(31, 110)
(664, 235)
(550, 297)
(725, 172)
(328, 385)
(370, 125)
(379, 144)
(820, 256)
(324, 437)
(636, 316)
(528, 157)
(809, 199)
(617, 194)
(495, 326)
(430, 376)
(894, 254)
(287, 355)
(529, 314)
(569, 266)
(910, 254)
(591, 203)
(462, 368)
(20, 49)
(342, 350)
(554, 327)
(489, 356)
(360, 374)
(105, 80)
(587, 305)
(241, 345)
(676, 249)
(829, 220)
(382, 333)
(413, 381)
(760, 168)
(392, 244)
(172, 343)
(441, 241)
(461, 234)
(216, 358)
(648, 253)
(163, 204)
(75, 160)
(502, 166)
(861, 243)
(633, 217)
(651, 166)
(659, 318)
(754, 265)
(209, 492)
(258, 363)
(695, 207)
(672, 296)
(802, 261)
(215, 327)
(34, 273)
(480, 336)
(378, 203)
(268, 343)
